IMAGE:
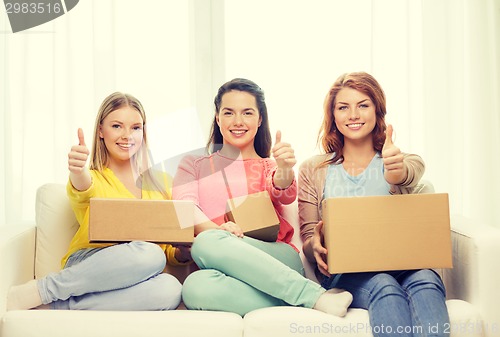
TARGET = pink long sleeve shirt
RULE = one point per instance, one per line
(209, 181)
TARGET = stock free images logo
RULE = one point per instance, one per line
(25, 14)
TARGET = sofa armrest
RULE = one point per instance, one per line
(475, 276)
(17, 258)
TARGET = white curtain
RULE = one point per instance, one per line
(462, 103)
(437, 60)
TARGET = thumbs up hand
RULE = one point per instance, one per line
(77, 157)
(283, 153)
(395, 171)
(285, 160)
(77, 160)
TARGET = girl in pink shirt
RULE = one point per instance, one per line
(239, 273)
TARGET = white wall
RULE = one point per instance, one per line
(296, 49)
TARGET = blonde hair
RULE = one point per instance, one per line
(141, 160)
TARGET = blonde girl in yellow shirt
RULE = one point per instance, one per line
(124, 276)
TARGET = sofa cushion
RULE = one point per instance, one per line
(75, 323)
(465, 321)
(296, 321)
(56, 226)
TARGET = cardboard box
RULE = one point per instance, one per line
(395, 232)
(124, 220)
(256, 216)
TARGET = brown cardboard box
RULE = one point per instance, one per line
(123, 220)
(395, 232)
(255, 214)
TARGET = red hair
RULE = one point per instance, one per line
(333, 141)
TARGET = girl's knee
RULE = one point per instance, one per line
(426, 275)
(168, 293)
(147, 254)
(382, 285)
(206, 245)
(209, 237)
(424, 279)
(383, 279)
(194, 288)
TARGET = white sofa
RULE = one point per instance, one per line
(32, 252)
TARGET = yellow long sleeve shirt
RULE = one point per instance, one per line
(104, 185)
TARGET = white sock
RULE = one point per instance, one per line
(24, 296)
(334, 301)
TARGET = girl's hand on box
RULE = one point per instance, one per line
(319, 251)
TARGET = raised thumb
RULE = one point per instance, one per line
(278, 137)
(388, 135)
(81, 138)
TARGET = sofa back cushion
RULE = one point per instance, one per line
(56, 225)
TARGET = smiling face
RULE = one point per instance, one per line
(239, 119)
(354, 114)
(122, 132)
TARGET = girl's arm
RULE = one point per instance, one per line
(281, 183)
(400, 169)
(314, 250)
(185, 187)
(79, 185)
(202, 222)
(81, 181)
(178, 256)
(311, 226)
(283, 178)
(415, 169)
(308, 202)
(283, 196)
(285, 160)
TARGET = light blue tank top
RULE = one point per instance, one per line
(370, 182)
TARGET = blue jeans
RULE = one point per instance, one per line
(125, 276)
(399, 303)
(243, 274)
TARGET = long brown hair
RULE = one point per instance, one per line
(141, 160)
(331, 140)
